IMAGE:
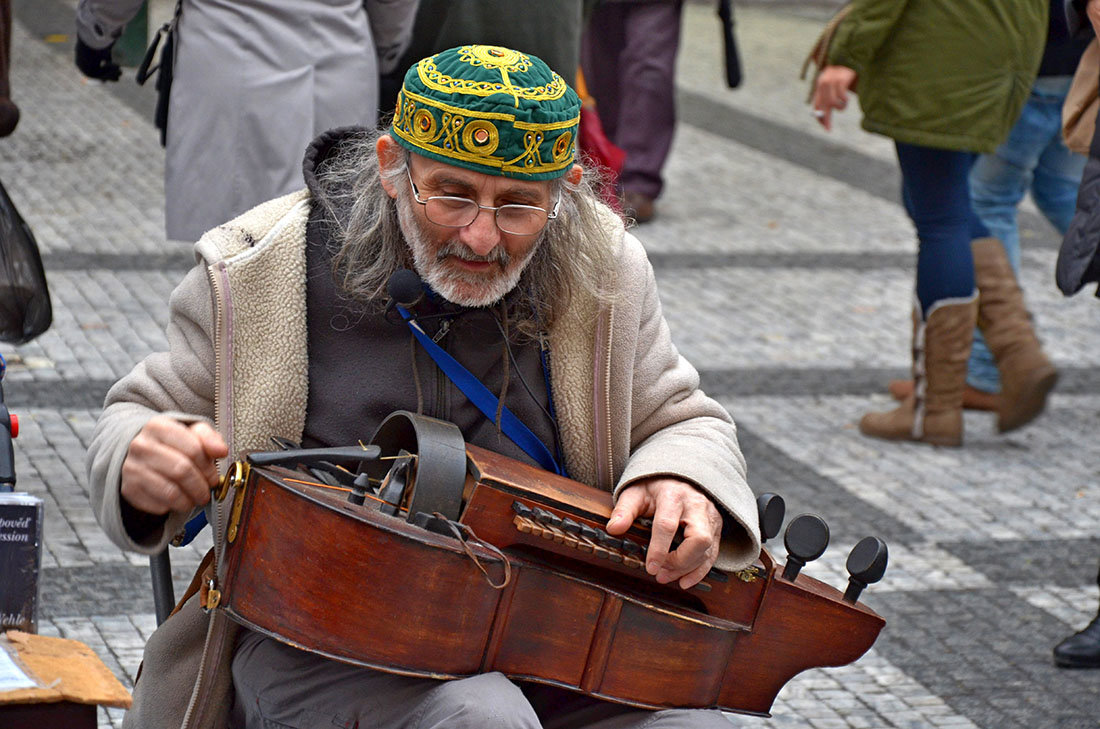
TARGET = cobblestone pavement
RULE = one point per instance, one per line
(785, 265)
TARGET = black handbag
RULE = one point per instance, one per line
(25, 310)
(163, 69)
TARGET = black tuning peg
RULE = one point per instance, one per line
(771, 509)
(806, 539)
(866, 565)
(359, 488)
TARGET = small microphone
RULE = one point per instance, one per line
(405, 288)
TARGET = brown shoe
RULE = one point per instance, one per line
(941, 348)
(638, 206)
(973, 398)
(1027, 376)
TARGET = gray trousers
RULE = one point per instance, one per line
(280, 687)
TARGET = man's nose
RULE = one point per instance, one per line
(482, 235)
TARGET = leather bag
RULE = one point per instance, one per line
(1082, 102)
(163, 69)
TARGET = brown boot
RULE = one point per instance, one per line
(1027, 376)
(973, 398)
(941, 347)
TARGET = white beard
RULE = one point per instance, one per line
(464, 288)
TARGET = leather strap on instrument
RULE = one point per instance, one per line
(441, 461)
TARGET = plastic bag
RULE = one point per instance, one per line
(25, 310)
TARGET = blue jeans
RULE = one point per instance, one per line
(937, 199)
(1032, 158)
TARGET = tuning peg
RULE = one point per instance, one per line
(866, 565)
(806, 539)
(771, 509)
(359, 488)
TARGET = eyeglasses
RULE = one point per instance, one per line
(458, 212)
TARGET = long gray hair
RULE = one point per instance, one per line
(573, 254)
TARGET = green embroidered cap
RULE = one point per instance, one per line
(489, 109)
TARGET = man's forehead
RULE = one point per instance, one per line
(436, 173)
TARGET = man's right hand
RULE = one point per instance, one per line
(170, 466)
(96, 62)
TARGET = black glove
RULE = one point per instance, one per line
(96, 63)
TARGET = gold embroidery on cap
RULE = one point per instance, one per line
(474, 136)
(511, 62)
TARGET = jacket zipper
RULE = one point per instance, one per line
(222, 337)
(602, 405)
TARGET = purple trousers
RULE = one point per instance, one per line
(628, 55)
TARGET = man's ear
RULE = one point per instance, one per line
(574, 174)
(389, 155)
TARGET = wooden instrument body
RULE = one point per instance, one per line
(360, 586)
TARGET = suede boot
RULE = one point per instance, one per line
(932, 413)
(973, 398)
(1027, 376)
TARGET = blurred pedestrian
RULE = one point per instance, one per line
(9, 112)
(946, 79)
(549, 30)
(1033, 159)
(253, 84)
(1078, 265)
(628, 55)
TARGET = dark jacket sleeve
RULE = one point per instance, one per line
(1078, 259)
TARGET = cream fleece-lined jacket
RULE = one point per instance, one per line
(628, 407)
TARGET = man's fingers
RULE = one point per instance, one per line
(687, 557)
(693, 578)
(151, 492)
(699, 547)
(666, 521)
(170, 466)
(151, 463)
(213, 447)
(630, 505)
(212, 441)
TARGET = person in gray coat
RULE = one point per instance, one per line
(253, 83)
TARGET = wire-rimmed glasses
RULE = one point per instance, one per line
(458, 212)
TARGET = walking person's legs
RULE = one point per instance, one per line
(1033, 157)
(934, 183)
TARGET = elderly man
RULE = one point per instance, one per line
(527, 278)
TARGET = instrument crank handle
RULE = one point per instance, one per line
(309, 456)
(866, 565)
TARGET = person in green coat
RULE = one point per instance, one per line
(946, 80)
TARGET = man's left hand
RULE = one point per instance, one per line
(672, 503)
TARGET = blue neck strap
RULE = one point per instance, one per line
(484, 400)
